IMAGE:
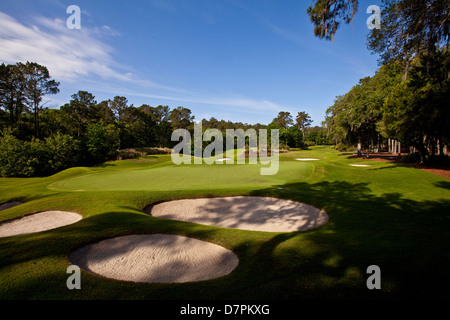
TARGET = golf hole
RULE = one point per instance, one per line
(155, 258)
(243, 212)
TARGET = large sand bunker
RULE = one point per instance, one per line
(38, 222)
(244, 212)
(155, 258)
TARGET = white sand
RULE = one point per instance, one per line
(38, 222)
(168, 258)
(306, 159)
(245, 212)
(155, 258)
(8, 205)
(360, 165)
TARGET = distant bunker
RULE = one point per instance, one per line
(38, 222)
(243, 212)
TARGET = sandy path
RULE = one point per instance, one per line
(155, 258)
(245, 212)
(38, 222)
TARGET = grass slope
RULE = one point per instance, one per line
(386, 214)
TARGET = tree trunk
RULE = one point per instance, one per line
(441, 147)
(36, 121)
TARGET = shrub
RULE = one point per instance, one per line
(344, 147)
(129, 153)
(102, 142)
(36, 158)
(412, 158)
(62, 152)
(14, 157)
(438, 160)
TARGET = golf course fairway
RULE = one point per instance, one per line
(383, 214)
(182, 177)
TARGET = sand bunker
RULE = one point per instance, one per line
(155, 258)
(306, 159)
(38, 222)
(8, 205)
(359, 165)
(245, 212)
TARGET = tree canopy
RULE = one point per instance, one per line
(408, 27)
(85, 131)
(414, 111)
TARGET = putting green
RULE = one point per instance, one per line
(182, 177)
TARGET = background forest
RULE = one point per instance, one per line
(38, 141)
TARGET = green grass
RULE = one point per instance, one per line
(390, 215)
(184, 177)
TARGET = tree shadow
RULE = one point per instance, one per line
(443, 184)
(406, 238)
(243, 212)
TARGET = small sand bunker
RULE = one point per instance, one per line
(306, 159)
(155, 258)
(360, 165)
(38, 222)
(244, 212)
(11, 204)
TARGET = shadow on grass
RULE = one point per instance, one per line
(407, 239)
(443, 184)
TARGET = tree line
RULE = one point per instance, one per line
(407, 100)
(414, 111)
(36, 140)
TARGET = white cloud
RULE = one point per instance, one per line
(250, 105)
(69, 55)
(79, 56)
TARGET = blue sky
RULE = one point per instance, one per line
(238, 60)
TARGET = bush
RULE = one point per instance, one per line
(129, 153)
(412, 158)
(14, 157)
(132, 153)
(62, 151)
(438, 160)
(36, 158)
(344, 147)
(102, 142)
